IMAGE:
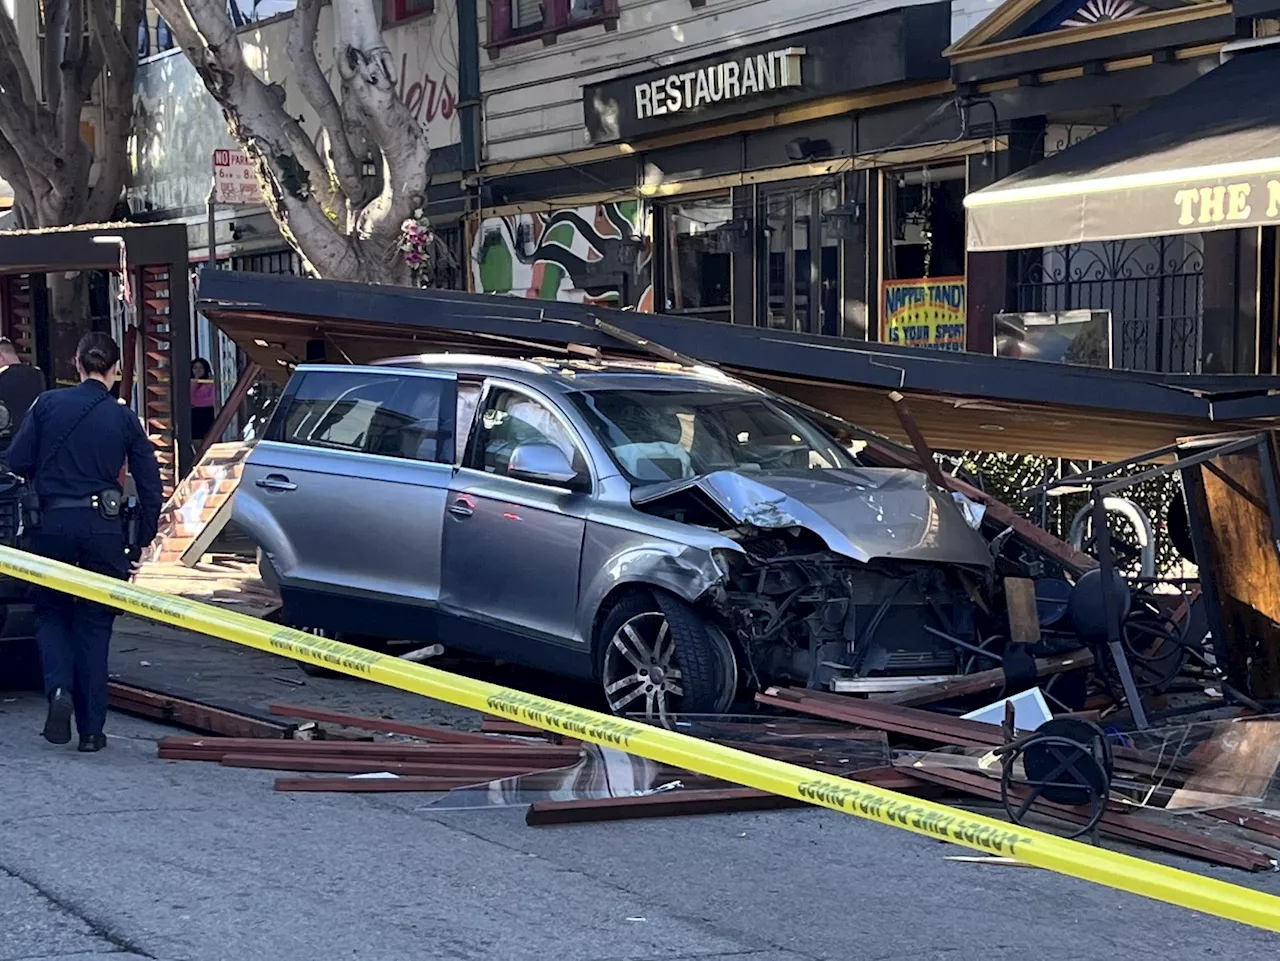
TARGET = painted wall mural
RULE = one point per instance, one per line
(601, 254)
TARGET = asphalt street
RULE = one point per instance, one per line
(104, 857)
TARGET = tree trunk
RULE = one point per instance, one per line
(318, 200)
(89, 44)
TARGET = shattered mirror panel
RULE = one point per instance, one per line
(1199, 767)
(601, 773)
(608, 773)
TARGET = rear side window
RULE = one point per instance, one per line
(406, 417)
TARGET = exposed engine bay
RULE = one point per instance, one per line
(865, 574)
(812, 617)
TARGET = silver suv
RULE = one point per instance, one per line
(678, 536)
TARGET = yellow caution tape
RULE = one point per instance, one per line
(933, 820)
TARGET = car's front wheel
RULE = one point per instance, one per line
(660, 658)
(306, 667)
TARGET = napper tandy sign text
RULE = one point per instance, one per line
(719, 82)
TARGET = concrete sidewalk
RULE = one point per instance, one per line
(120, 854)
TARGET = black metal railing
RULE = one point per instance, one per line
(1153, 287)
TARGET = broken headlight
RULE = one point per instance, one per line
(726, 562)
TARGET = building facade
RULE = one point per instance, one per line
(722, 161)
(1079, 254)
(821, 171)
(808, 166)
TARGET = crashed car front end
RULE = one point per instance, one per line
(845, 579)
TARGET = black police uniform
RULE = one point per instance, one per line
(100, 435)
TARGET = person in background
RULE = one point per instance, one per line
(71, 448)
(203, 400)
(8, 353)
(20, 384)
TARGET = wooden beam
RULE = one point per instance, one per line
(981, 681)
(663, 805)
(193, 715)
(703, 801)
(927, 461)
(477, 773)
(1023, 612)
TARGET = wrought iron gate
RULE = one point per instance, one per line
(1153, 287)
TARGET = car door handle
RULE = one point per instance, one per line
(461, 507)
(276, 482)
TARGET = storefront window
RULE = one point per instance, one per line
(924, 210)
(803, 260)
(923, 291)
(698, 261)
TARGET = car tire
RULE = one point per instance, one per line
(315, 670)
(642, 638)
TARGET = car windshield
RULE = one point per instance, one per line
(659, 435)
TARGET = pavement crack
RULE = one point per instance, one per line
(97, 928)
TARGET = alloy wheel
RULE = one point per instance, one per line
(641, 673)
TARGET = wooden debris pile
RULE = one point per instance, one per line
(424, 758)
(1156, 778)
(850, 737)
(420, 758)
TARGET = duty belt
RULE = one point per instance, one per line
(55, 503)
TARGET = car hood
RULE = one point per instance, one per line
(861, 513)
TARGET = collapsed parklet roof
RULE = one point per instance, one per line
(961, 401)
(1204, 158)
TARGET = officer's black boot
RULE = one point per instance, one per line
(57, 724)
(89, 743)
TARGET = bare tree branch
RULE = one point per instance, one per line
(214, 42)
(14, 75)
(365, 63)
(14, 172)
(117, 102)
(314, 86)
(116, 47)
(55, 36)
(91, 63)
(306, 188)
(287, 159)
(72, 96)
(22, 131)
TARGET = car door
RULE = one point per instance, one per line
(347, 490)
(512, 548)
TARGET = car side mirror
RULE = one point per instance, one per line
(541, 464)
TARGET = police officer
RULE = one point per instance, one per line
(71, 447)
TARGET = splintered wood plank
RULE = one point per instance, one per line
(983, 681)
(1024, 617)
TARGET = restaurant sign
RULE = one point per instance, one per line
(718, 82)
(923, 313)
(1046, 216)
(1227, 203)
(890, 49)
